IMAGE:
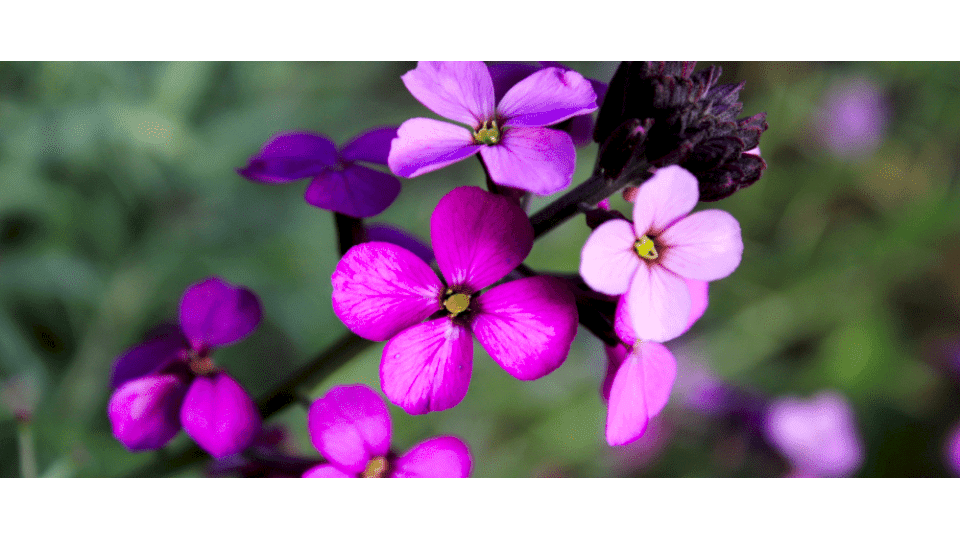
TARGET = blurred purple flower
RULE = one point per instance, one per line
(509, 133)
(384, 292)
(381, 232)
(339, 184)
(951, 450)
(350, 427)
(169, 380)
(818, 436)
(852, 118)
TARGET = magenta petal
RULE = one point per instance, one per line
(615, 357)
(424, 145)
(663, 199)
(527, 325)
(441, 457)
(623, 323)
(659, 303)
(165, 346)
(145, 413)
(427, 367)
(355, 191)
(349, 426)
(539, 160)
(461, 91)
(703, 246)
(546, 97)
(219, 415)
(608, 260)
(372, 146)
(507, 74)
(478, 237)
(381, 232)
(326, 471)
(214, 313)
(290, 156)
(639, 392)
(379, 289)
(699, 299)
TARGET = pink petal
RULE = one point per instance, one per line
(615, 357)
(380, 288)
(372, 146)
(527, 325)
(639, 392)
(461, 91)
(349, 426)
(478, 237)
(608, 260)
(427, 367)
(145, 413)
(215, 312)
(441, 457)
(536, 159)
(623, 323)
(424, 145)
(355, 191)
(698, 300)
(219, 415)
(326, 471)
(666, 197)
(659, 303)
(546, 97)
(704, 246)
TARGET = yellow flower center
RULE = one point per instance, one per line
(457, 303)
(645, 248)
(375, 468)
(487, 135)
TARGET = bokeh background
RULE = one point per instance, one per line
(118, 190)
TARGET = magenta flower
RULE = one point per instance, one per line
(339, 184)
(350, 427)
(819, 436)
(510, 135)
(648, 260)
(951, 450)
(169, 380)
(384, 292)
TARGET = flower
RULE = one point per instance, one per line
(384, 292)
(169, 380)
(649, 259)
(510, 136)
(852, 118)
(339, 184)
(819, 436)
(350, 427)
(951, 450)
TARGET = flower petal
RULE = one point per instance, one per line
(427, 367)
(663, 199)
(372, 146)
(349, 426)
(623, 323)
(539, 160)
(165, 346)
(355, 191)
(381, 232)
(290, 156)
(219, 415)
(608, 260)
(461, 91)
(659, 303)
(703, 246)
(145, 413)
(615, 357)
(527, 325)
(326, 471)
(424, 145)
(478, 237)
(214, 313)
(546, 97)
(379, 289)
(699, 299)
(507, 74)
(441, 457)
(639, 392)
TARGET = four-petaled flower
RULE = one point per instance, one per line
(169, 380)
(510, 136)
(384, 292)
(350, 427)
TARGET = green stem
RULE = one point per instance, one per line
(28, 455)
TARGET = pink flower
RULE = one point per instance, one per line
(384, 292)
(510, 136)
(350, 427)
(648, 260)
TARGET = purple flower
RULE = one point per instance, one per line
(384, 292)
(350, 427)
(339, 184)
(853, 118)
(648, 260)
(819, 436)
(951, 450)
(169, 380)
(509, 133)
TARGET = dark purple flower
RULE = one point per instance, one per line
(384, 292)
(508, 133)
(339, 184)
(169, 380)
(350, 427)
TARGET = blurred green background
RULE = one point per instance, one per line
(118, 190)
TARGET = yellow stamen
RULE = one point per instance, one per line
(375, 468)
(645, 248)
(487, 135)
(457, 303)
